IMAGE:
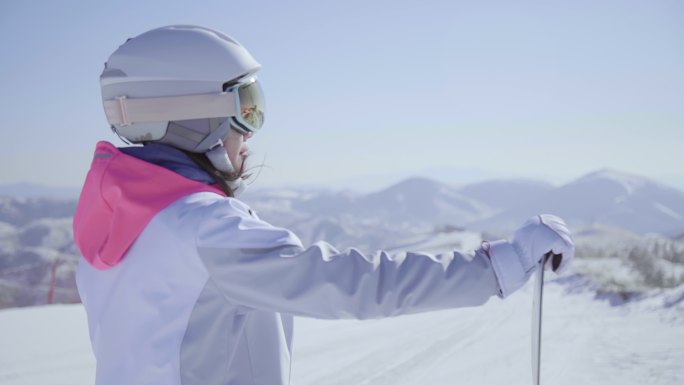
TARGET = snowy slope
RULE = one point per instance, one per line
(491, 345)
(45, 345)
(586, 341)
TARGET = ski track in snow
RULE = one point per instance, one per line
(585, 341)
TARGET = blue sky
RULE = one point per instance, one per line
(362, 91)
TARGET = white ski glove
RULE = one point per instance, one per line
(540, 235)
(515, 261)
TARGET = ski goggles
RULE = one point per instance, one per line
(249, 105)
(243, 102)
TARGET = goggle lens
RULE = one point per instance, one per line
(251, 104)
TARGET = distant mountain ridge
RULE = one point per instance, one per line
(423, 200)
(606, 197)
(33, 190)
(607, 210)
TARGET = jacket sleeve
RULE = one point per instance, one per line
(265, 267)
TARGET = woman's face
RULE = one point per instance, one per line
(237, 149)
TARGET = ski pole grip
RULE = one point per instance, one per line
(556, 260)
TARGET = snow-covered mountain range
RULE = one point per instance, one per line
(630, 224)
(605, 197)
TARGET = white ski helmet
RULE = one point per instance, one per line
(184, 86)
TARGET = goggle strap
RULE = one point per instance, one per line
(124, 111)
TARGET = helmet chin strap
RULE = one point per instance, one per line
(218, 156)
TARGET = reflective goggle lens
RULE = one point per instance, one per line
(252, 107)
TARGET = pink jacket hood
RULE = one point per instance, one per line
(120, 196)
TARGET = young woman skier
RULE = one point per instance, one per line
(182, 283)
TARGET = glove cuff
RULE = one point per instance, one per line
(507, 264)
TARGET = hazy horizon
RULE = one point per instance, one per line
(359, 184)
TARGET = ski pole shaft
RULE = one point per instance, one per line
(536, 322)
(537, 313)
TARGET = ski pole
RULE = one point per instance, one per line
(537, 312)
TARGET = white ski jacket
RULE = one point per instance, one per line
(183, 285)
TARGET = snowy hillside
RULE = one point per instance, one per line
(622, 261)
(20, 211)
(634, 343)
(36, 240)
(604, 197)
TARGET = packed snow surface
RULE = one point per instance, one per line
(586, 340)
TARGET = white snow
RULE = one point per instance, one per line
(585, 341)
(45, 345)
(666, 210)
